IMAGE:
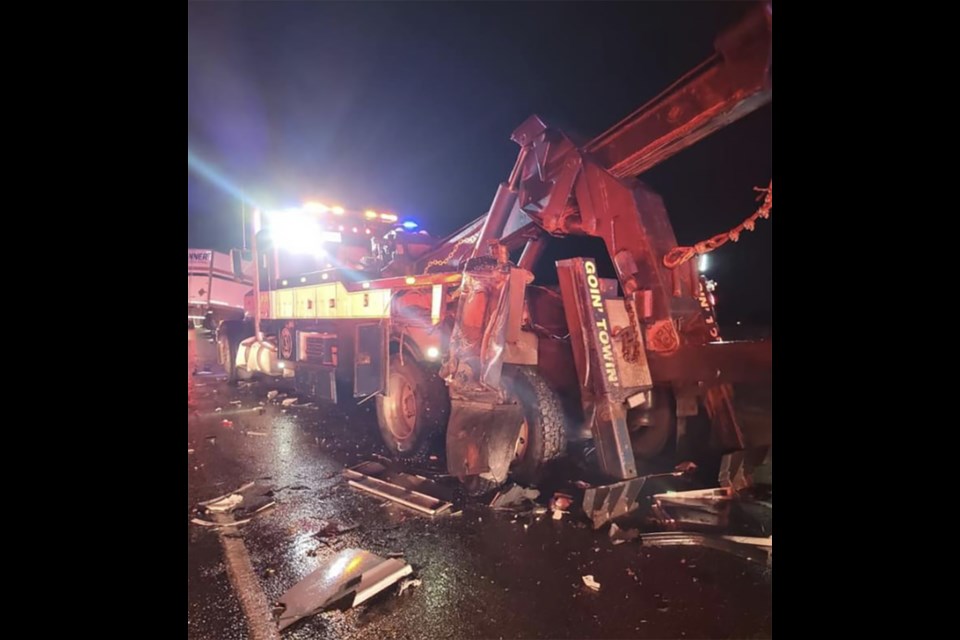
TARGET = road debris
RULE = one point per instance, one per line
(760, 551)
(332, 529)
(236, 403)
(409, 490)
(407, 583)
(227, 423)
(272, 394)
(351, 576)
(513, 496)
(189, 451)
(561, 501)
(590, 582)
(619, 536)
(255, 433)
(289, 402)
(700, 509)
(245, 502)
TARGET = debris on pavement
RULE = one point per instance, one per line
(245, 502)
(289, 402)
(272, 394)
(351, 576)
(513, 496)
(255, 433)
(686, 467)
(753, 551)
(333, 529)
(561, 501)
(558, 514)
(619, 536)
(236, 403)
(227, 423)
(409, 490)
(407, 583)
(698, 509)
(189, 451)
(590, 582)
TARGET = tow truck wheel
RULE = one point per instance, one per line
(413, 410)
(542, 434)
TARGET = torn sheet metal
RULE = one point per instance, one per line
(701, 509)
(604, 503)
(351, 577)
(239, 505)
(757, 550)
(412, 491)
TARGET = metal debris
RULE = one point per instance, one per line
(412, 491)
(753, 551)
(351, 576)
(699, 509)
(248, 500)
(590, 582)
(513, 495)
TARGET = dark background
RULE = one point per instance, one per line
(408, 107)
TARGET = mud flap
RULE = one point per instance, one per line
(482, 439)
(370, 361)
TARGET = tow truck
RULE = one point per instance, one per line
(566, 313)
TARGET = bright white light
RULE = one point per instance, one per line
(280, 364)
(703, 263)
(366, 285)
(433, 353)
(332, 236)
(294, 231)
(325, 276)
(303, 278)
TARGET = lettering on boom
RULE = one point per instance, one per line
(601, 325)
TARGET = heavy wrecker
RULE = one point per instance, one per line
(513, 357)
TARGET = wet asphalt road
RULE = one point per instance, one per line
(483, 575)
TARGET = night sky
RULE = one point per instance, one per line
(408, 107)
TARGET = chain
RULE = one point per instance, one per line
(679, 255)
(442, 261)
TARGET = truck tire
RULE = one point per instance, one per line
(542, 435)
(413, 410)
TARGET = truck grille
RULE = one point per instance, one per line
(319, 348)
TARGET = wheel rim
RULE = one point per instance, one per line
(523, 440)
(406, 405)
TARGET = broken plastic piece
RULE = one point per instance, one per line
(351, 576)
(272, 394)
(590, 582)
(408, 583)
(288, 402)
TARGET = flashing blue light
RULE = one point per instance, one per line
(410, 225)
